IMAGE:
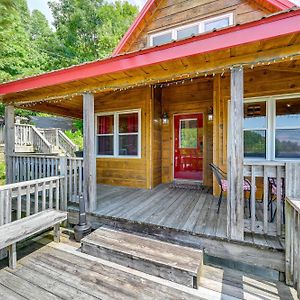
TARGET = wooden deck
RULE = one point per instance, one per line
(184, 210)
(48, 270)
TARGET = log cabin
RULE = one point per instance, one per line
(199, 97)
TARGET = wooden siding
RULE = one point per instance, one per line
(190, 98)
(156, 139)
(173, 13)
(127, 171)
(259, 82)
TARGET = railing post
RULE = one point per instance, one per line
(9, 141)
(64, 172)
(235, 157)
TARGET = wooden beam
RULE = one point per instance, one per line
(9, 141)
(235, 154)
(89, 157)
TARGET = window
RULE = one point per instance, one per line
(118, 134)
(287, 134)
(272, 129)
(162, 39)
(188, 135)
(255, 129)
(187, 31)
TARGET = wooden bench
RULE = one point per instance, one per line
(172, 262)
(16, 231)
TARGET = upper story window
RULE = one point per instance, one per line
(118, 134)
(187, 31)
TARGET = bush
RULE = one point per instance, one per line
(2, 173)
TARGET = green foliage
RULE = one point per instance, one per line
(18, 56)
(2, 173)
(76, 137)
(89, 29)
(78, 124)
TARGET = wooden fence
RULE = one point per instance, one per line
(30, 167)
(292, 243)
(262, 218)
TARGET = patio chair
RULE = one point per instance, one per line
(273, 197)
(222, 181)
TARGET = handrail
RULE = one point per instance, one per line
(25, 183)
(66, 144)
(292, 243)
(40, 143)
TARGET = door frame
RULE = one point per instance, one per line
(173, 144)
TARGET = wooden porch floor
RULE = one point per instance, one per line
(193, 211)
(48, 270)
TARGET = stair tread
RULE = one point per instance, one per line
(175, 256)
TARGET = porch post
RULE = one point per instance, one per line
(9, 141)
(89, 200)
(89, 157)
(235, 156)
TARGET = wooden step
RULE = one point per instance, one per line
(172, 262)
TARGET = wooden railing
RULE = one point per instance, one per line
(58, 139)
(30, 197)
(261, 218)
(66, 144)
(292, 243)
(40, 143)
(29, 167)
(23, 135)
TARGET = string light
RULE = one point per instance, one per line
(156, 83)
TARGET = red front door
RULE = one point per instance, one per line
(188, 146)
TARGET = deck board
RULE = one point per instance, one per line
(186, 210)
(48, 270)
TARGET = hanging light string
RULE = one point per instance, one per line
(157, 83)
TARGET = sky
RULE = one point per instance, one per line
(44, 8)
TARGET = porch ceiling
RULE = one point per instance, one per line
(194, 61)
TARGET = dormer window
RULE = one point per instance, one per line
(189, 30)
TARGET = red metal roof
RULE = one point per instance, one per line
(276, 4)
(268, 28)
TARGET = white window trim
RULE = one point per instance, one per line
(116, 134)
(271, 125)
(200, 25)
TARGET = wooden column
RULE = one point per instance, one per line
(89, 158)
(235, 156)
(9, 141)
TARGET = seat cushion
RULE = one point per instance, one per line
(224, 183)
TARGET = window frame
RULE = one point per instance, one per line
(200, 24)
(271, 125)
(266, 129)
(116, 134)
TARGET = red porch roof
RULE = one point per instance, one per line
(268, 28)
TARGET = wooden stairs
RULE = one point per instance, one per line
(172, 262)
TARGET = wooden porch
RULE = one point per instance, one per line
(192, 211)
(59, 271)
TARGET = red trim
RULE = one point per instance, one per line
(268, 28)
(134, 26)
(277, 4)
(281, 4)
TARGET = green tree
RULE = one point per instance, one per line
(89, 29)
(18, 56)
